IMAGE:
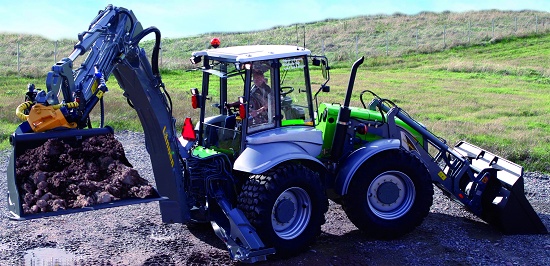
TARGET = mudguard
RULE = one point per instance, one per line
(356, 159)
(269, 148)
(256, 159)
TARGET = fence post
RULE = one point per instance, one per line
(297, 36)
(304, 35)
(516, 24)
(469, 30)
(493, 27)
(55, 52)
(18, 60)
(444, 36)
(416, 39)
(387, 44)
(356, 45)
(536, 24)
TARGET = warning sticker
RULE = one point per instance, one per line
(293, 63)
(442, 175)
(405, 140)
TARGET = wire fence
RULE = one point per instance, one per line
(343, 40)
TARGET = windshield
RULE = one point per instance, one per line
(295, 92)
(221, 130)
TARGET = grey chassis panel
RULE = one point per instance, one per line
(257, 159)
(356, 159)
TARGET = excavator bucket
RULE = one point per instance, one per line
(42, 184)
(503, 201)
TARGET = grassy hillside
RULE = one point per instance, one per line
(495, 94)
(341, 40)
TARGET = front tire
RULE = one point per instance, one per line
(389, 195)
(286, 206)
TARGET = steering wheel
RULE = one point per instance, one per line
(289, 88)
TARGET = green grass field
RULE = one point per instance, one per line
(495, 95)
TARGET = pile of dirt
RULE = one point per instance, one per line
(61, 175)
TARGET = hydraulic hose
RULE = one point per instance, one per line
(154, 58)
(20, 110)
(68, 105)
(156, 48)
(130, 17)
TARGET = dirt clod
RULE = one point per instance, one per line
(59, 175)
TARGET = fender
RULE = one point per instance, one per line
(357, 158)
(256, 159)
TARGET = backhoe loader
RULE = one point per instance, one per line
(262, 161)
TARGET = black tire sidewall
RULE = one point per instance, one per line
(282, 178)
(356, 203)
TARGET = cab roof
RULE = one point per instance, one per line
(249, 53)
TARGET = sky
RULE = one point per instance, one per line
(64, 19)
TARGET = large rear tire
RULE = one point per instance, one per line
(389, 195)
(286, 206)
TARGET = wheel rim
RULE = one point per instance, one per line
(291, 213)
(391, 195)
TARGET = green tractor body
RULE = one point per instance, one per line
(329, 116)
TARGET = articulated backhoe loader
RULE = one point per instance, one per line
(263, 160)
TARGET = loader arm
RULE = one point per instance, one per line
(489, 186)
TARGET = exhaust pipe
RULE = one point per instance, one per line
(344, 115)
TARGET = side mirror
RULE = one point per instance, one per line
(325, 88)
(324, 69)
(316, 62)
(195, 60)
(323, 62)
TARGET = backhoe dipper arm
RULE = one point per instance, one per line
(112, 41)
(106, 41)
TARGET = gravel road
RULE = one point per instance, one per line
(135, 235)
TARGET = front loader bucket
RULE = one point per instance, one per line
(503, 201)
(30, 190)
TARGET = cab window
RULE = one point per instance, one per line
(295, 93)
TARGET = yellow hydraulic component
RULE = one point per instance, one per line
(42, 118)
(95, 85)
(68, 105)
(99, 94)
(19, 111)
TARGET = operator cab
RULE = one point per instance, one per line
(248, 90)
